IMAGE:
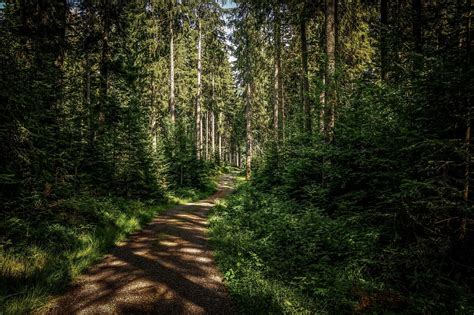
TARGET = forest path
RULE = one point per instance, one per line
(166, 268)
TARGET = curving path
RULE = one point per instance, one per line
(166, 268)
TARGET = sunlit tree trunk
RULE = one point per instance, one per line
(198, 97)
(248, 118)
(330, 97)
(220, 147)
(322, 110)
(206, 134)
(171, 100)
(213, 121)
(153, 118)
(304, 76)
(213, 135)
(277, 73)
(238, 156)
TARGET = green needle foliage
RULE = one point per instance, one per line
(363, 202)
(88, 151)
(353, 120)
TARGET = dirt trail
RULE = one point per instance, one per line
(166, 268)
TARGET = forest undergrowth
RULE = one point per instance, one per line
(41, 253)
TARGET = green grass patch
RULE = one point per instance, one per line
(278, 257)
(42, 252)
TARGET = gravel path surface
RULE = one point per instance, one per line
(166, 268)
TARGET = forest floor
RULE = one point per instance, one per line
(166, 268)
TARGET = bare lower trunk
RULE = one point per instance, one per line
(207, 135)
(220, 146)
(171, 95)
(154, 135)
(278, 89)
(322, 110)
(330, 96)
(213, 135)
(304, 75)
(198, 97)
(248, 117)
(238, 156)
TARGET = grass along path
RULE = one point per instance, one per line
(166, 268)
(41, 255)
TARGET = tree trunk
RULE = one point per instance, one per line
(383, 38)
(283, 112)
(322, 111)
(304, 76)
(277, 73)
(207, 134)
(104, 65)
(220, 147)
(198, 97)
(153, 119)
(330, 97)
(213, 121)
(154, 135)
(248, 118)
(213, 136)
(238, 156)
(171, 95)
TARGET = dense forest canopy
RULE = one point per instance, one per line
(351, 120)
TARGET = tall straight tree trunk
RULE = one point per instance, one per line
(213, 121)
(154, 135)
(283, 111)
(277, 74)
(383, 38)
(248, 118)
(153, 119)
(171, 100)
(104, 65)
(238, 156)
(213, 135)
(198, 97)
(206, 115)
(219, 136)
(330, 97)
(322, 93)
(322, 110)
(304, 76)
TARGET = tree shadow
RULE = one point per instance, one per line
(167, 268)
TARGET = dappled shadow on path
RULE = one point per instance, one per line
(167, 268)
